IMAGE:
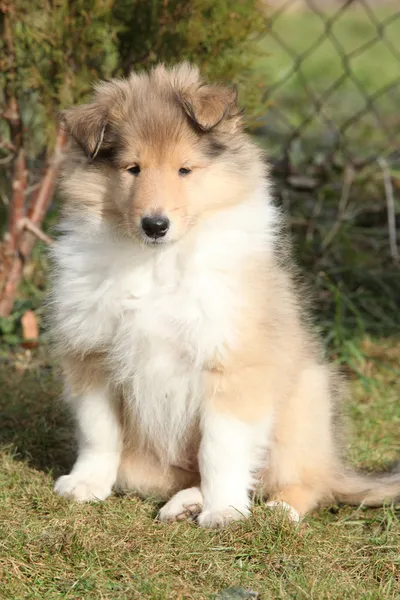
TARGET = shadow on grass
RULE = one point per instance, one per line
(35, 427)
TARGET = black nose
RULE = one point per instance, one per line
(155, 227)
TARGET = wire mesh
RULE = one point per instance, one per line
(334, 91)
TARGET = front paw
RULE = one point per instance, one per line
(216, 519)
(81, 489)
(186, 504)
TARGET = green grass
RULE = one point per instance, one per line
(373, 69)
(52, 548)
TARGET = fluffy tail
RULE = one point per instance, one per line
(354, 488)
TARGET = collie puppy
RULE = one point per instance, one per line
(188, 363)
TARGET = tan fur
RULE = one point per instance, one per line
(172, 120)
(122, 118)
(144, 474)
(81, 373)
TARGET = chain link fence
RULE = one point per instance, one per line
(334, 82)
(332, 133)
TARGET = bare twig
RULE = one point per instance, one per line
(32, 188)
(391, 208)
(349, 175)
(26, 223)
(313, 223)
(18, 199)
(10, 288)
(7, 145)
(347, 183)
(44, 195)
(7, 159)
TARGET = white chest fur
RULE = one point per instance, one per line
(159, 313)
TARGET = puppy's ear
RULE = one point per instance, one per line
(87, 124)
(212, 106)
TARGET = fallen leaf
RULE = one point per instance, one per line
(30, 329)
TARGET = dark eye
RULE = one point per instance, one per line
(183, 171)
(135, 170)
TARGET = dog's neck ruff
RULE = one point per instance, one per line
(159, 314)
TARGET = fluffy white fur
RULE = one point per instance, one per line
(230, 452)
(162, 313)
(100, 444)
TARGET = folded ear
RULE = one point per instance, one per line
(87, 125)
(210, 106)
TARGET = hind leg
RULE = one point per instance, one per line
(302, 457)
(296, 500)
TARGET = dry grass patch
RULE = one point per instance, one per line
(51, 548)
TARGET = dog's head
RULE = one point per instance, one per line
(158, 152)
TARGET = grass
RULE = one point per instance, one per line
(51, 548)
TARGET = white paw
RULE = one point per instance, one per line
(72, 486)
(291, 513)
(216, 519)
(184, 505)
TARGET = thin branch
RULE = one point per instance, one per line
(44, 195)
(349, 175)
(7, 159)
(7, 145)
(313, 223)
(37, 211)
(32, 188)
(391, 208)
(10, 288)
(26, 223)
(16, 211)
